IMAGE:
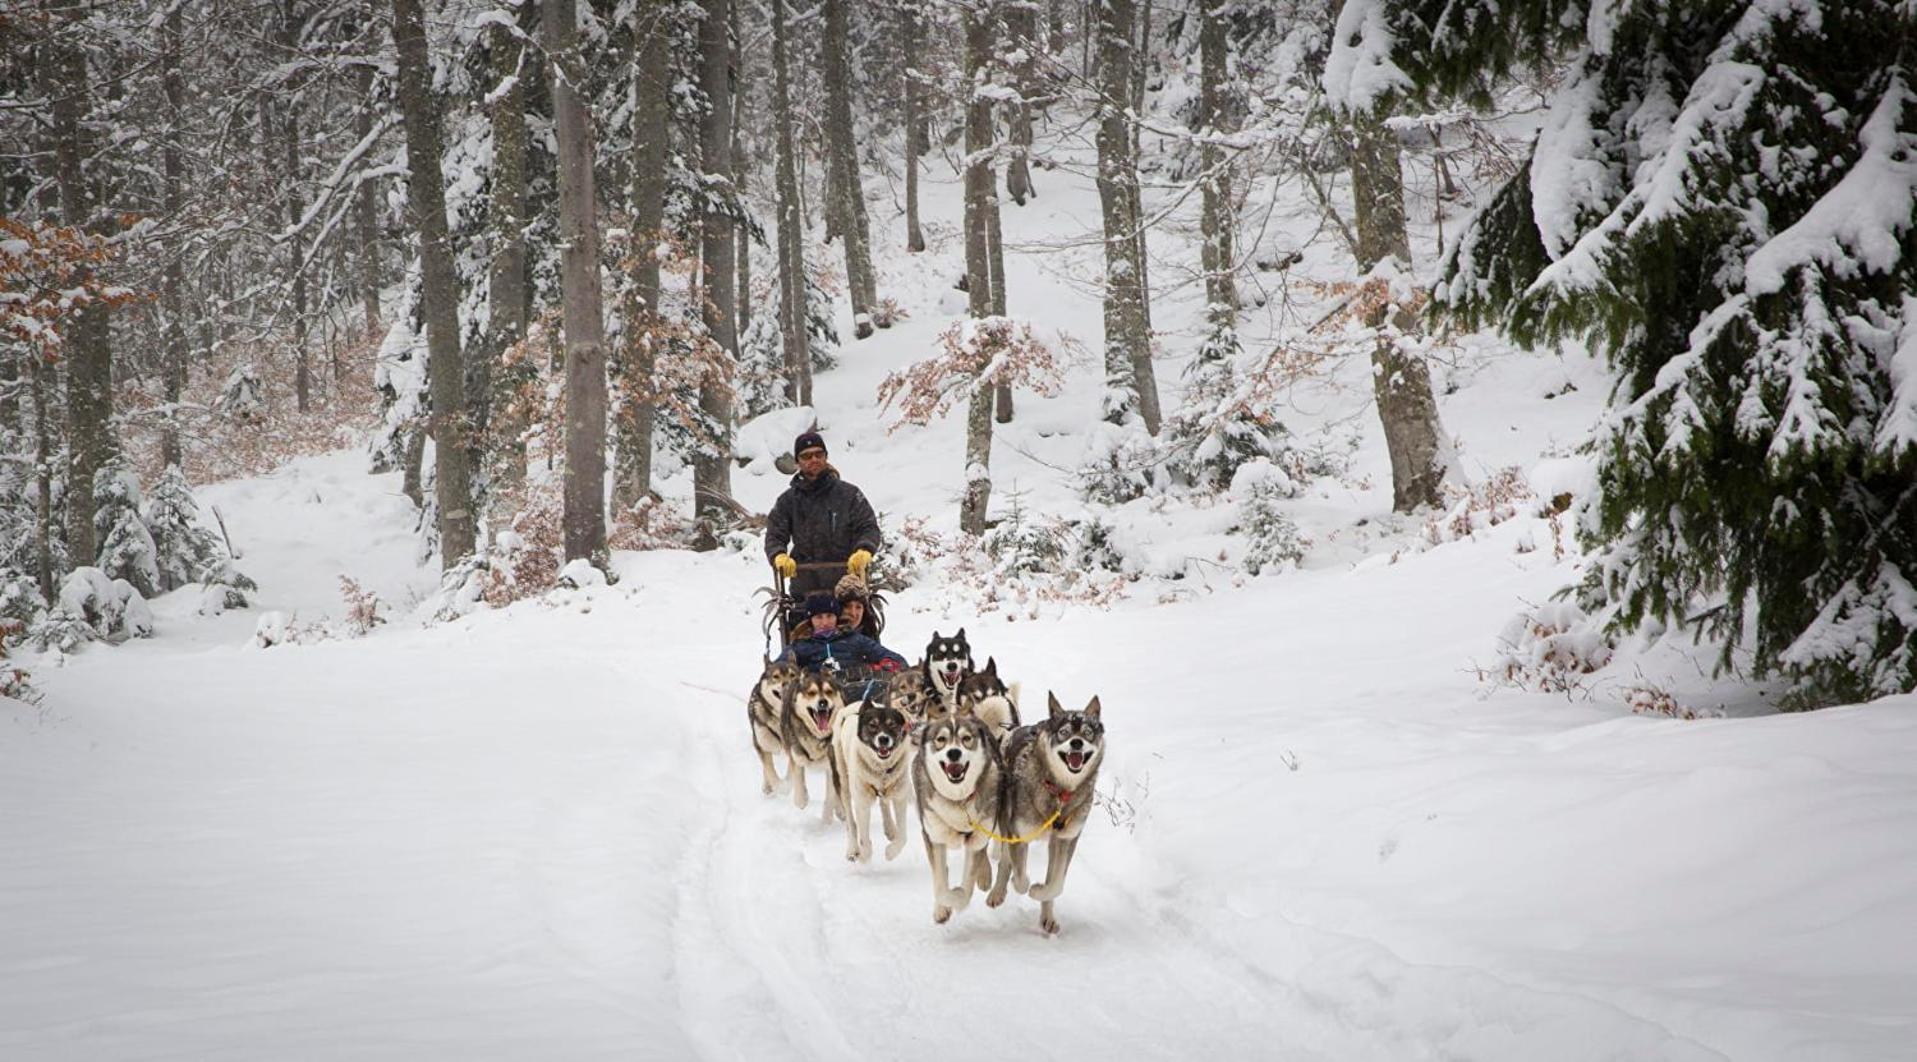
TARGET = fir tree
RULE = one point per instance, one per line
(1221, 426)
(126, 547)
(184, 549)
(1722, 199)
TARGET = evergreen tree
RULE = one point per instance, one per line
(185, 551)
(1723, 200)
(126, 547)
(1222, 425)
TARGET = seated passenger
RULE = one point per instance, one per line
(857, 610)
(832, 649)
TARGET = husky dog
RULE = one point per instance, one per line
(765, 706)
(911, 693)
(947, 661)
(1049, 770)
(870, 765)
(956, 777)
(806, 727)
(990, 700)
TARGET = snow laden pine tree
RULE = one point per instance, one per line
(186, 551)
(126, 546)
(1722, 199)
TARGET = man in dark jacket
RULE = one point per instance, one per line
(822, 519)
(832, 648)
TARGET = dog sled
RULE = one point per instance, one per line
(785, 620)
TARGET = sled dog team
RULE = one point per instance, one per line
(950, 733)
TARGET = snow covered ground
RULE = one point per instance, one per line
(538, 832)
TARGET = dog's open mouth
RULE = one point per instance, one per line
(955, 771)
(951, 674)
(822, 719)
(1075, 761)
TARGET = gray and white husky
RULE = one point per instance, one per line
(956, 777)
(988, 698)
(947, 661)
(1049, 770)
(765, 711)
(871, 765)
(805, 725)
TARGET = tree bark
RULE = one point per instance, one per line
(911, 26)
(585, 351)
(995, 258)
(712, 465)
(741, 171)
(366, 208)
(43, 480)
(295, 243)
(792, 272)
(1131, 386)
(651, 113)
(1021, 24)
(1214, 120)
(88, 349)
(172, 286)
(843, 158)
(426, 194)
(979, 190)
(506, 281)
(1141, 61)
(1407, 408)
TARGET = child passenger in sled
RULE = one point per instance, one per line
(833, 648)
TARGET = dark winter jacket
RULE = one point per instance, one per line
(824, 519)
(847, 648)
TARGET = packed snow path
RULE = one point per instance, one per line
(539, 833)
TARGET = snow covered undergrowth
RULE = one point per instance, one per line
(538, 832)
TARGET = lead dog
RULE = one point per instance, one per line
(805, 725)
(947, 662)
(1047, 789)
(956, 777)
(870, 765)
(765, 709)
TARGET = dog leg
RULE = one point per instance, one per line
(1058, 863)
(796, 772)
(997, 895)
(894, 820)
(1020, 879)
(983, 879)
(1047, 921)
(935, 855)
(770, 773)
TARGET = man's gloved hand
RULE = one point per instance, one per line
(788, 567)
(858, 562)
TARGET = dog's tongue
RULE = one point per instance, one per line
(955, 771)
(1075, 760)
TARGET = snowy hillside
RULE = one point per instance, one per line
(1326, 829)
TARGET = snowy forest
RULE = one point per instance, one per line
(1461, 455)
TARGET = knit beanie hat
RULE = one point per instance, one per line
(850, 588)
(810, 440)
(820, 603)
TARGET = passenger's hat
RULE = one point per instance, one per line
(810, 440)
(850, 588)
(821, 603)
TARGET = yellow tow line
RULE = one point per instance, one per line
(1028, 838)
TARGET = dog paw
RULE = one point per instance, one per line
(892, 850)
(1043, 891)
(941, 914)
(956, 899)
(995, 898)
(1048, 924)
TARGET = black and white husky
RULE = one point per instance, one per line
(947, 662)
(765, 711)
(870, 765)
(805, 725)
(1047, 792)
(988, 698)
(956, 777)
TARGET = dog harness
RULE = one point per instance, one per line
(1064, 798)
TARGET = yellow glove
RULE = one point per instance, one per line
(858, 562)
(785, 566)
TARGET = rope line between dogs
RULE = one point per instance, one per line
(1028, 838)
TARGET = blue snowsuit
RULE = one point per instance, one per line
(847, 648)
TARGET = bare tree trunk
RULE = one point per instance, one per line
(911, 27)
(1214, 120)
(295, 244)
(1130, 385)
(43, 480)
(1021, 24)
(1400, 379)
(367, 208)
(632, 443)
(979, 190)
(741, 171)
(172, 295)
(426, 194)
(712, 464)
(506, 280)
(585, 476)
(792, 272)
(842, 155)
(1141, 63)
(995, 244)
(89, 351)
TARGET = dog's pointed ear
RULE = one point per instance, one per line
(1052, 706)
(1091, 709)
(960, 636)
(991, 667)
